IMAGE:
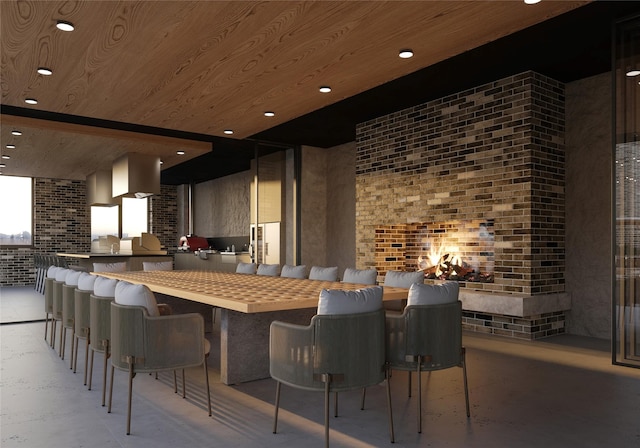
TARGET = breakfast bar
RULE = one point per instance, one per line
(249, 303)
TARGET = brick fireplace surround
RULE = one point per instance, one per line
(495, 152)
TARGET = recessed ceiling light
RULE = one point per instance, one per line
(269, 114)
(531, 2)
(180, 153)
(6, 157)
(31, 101)
(631, 73)
(406, 53)
(11, 146)
(63, 25)
(2, 165)
(16, 132)
(161, 162)
(45, 71)
(325, 89)
(228, 131)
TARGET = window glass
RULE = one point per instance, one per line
(134, 217)
(16, 203)
(104, 221)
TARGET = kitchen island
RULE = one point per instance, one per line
(134, 261)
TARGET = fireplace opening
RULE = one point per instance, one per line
(457, 250)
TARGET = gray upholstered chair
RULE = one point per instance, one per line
(328, 274)
(271, 270)
(246, 268)
(48, 302)
(427, 335)
(61, 275)
(289, 271)
(316, 358)
(104, 291)
(401, 279)
(364, 276)
(82, 320)
(68, 311)
(144, 341)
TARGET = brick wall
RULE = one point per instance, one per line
(163, 217)
(495, 152)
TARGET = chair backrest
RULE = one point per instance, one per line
(110, 267)
(364, 276)
(401, 279)
(156, 343)
(436, 330)
(294, 271)
(271, 270)
(100, 321)
(157, 265)
(246, 268)
(329, 274)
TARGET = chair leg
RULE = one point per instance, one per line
(86, 358)
(175, 382)
(75, 354)
(130, 394)
(90, 370)
(110, 391)
(419, 396)
(327, 386)
(206, 376)
(466, 387)
(104, 374)
(73, 340)
(184, 386)
(46, 325)
(52, 336)
(391, 432)
(409, 384)
(364, 395)
(277, 405)
(63, 331)
(335, 404)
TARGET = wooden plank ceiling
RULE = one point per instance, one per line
(199, 68)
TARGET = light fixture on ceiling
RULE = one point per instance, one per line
(6, 157)
(406, 53)
(63, 25)
(11, 146)
(228, 131)
(269, 114)
(632, 73)
(180, 153)
(324, 89)
(31, 101)
(2, 165)
(16, 132)
(532, 2)
(45, 71)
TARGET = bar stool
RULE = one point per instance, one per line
(61, 275)
(48, 301)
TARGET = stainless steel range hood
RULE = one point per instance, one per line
(136, 176)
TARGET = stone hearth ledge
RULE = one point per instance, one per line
(518, 305)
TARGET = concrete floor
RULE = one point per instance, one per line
(559, 392)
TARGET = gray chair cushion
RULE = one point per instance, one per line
(157, 265)
(110, 267)
(61, 274)
(105, 287)
(86, 281)
(400, 279)
(420, 294)
(72, 277)
(337, 301)
(246, 268)
(364, 276)
(272, 270)
(136, 295)
(294, 271)
(327, 274)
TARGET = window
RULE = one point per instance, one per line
(104, 221)
(134, 217)
(16, 203)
